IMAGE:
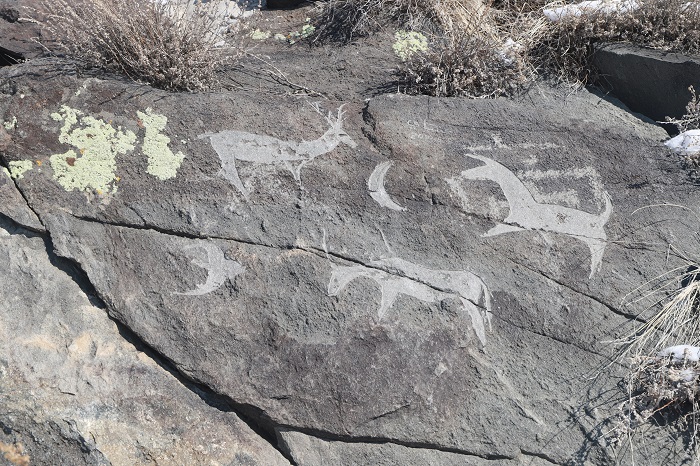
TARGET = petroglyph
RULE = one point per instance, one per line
(259, 149)
(375, 184)
(528, 214)
(397, 276)
(498, 144)
(219, 269)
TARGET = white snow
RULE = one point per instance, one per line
(680, 353)
(589, 7)
(687, 143)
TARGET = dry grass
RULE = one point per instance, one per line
(677, 321)
(662, 387)
(173, 45)
(691, 118)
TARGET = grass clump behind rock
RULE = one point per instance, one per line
(174, 45)
(492, 48)
(662, 386)
(565, 51)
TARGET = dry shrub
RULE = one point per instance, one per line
(691, 118)
(690, 121)
(474, 52)
(172, 45)
(342, 20)
(14, 453)
(469, 66)
(661, 391)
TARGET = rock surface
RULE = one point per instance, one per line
(74, 391)
(648, 81)
(401, 280)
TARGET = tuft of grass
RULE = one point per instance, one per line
(662, 387)
(14, 453)
(174, 45)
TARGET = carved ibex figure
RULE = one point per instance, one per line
(249, 147)
(397, 276)
(528, 214)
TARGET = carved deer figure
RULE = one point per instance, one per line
(528, 214)
(249, 147)
(397, 276)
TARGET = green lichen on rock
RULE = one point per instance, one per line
(260, 35)
(409, 43)
(92, 164)
(19, 168)
(162, 163)
(10, 125)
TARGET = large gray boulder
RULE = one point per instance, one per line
(436, 275)
(74, 391)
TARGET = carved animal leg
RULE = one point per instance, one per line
(502, 228)
(597, 248)
(297, 171)
(477, 318)
(389, 294)
(231, 174)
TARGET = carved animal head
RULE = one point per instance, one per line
(340, 277)
(488, 171)
(336, 130)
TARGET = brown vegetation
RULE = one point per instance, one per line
(172, 45)
(488, 49)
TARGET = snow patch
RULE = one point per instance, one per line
(686, 143)
(589, 7)
(680, 353)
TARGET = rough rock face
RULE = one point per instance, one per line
(408, 280)
(74, 391)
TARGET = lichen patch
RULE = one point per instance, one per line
(10, 125)
(92, 164)
(409, 43)
(162, 163)
(19, 168)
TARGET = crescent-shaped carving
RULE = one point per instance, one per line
(219, 269)
(375, 184)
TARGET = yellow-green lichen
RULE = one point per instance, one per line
(92, 164)
(260, 35)
(10, 125)
(162, 163)
(19, 168)
(408, 43)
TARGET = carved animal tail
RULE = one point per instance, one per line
(491, 170)
(487, 302)
(605, 215)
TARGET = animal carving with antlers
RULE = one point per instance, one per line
(231, 146)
